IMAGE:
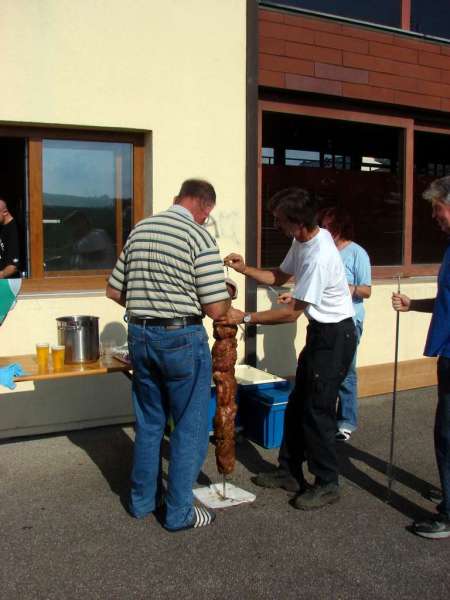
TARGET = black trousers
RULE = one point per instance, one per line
(310, 418)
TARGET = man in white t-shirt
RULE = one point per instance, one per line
(321, 293)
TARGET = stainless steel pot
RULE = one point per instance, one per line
(79, 335)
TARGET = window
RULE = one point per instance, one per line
(383, 12)
(302, 158)
(356, 165)
(267, 156)
(75, 196)
(87, 191)
(431, 18)
(431, 160)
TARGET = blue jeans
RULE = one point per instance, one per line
(171, 375)
(442, 432)
(347, 407)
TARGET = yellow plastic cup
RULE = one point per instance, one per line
(58, 357)
(42, 354)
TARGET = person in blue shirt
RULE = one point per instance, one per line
(359, 277)
(437, 344)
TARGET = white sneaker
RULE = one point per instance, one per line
(343, 435)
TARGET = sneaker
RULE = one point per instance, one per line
(318, 496)
(343, 435)
(201, 518)
(278, 478)
(435, 528)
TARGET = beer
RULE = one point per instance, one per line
(42, 354)
(58, 357)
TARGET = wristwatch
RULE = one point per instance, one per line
(247, 318)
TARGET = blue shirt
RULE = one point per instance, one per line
(438, 339)
(358, 272)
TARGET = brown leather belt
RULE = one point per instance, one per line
(175, 322)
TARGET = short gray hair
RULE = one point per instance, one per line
(439, 189)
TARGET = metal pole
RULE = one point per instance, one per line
(390, 468)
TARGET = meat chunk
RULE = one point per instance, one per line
(223, 359)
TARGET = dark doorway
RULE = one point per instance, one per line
(13, 186)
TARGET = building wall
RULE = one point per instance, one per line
(173, 69)
(308, 54)
(278, 346)
(303, 53)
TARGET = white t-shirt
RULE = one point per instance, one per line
(320, 279)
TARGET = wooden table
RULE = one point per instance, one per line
(34, 373)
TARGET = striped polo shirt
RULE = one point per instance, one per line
(169, 267)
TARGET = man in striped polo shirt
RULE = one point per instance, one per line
(168, 276)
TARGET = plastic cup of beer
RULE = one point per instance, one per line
(58, 357)
(42, 354)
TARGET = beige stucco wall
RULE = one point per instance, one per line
(278, 346)
(175, 69)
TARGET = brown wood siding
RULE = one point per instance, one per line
(308, 54)
(379, 379)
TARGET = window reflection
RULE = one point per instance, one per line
(340, 163)
(384, 12)
(87, 193)
(431, 18)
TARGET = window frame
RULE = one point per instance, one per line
(408, 126)
(38, 280)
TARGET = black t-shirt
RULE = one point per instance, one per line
(9, 247)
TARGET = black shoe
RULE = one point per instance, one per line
(318, 496)
(434, 495)
(436, 528)
(278, 478)
(201, 518)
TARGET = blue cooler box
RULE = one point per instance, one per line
(261, 412)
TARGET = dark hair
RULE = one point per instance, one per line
(296, 205)
(341, 223)
(197, 188)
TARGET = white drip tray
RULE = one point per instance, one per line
(247, 375)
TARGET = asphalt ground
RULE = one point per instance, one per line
(66, 534)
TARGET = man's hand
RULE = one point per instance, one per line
(401, 302)
(285, 298)
(236, 262)
(8, 271)
(233, 317)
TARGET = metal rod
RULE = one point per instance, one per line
(224, 483)
(390, 468)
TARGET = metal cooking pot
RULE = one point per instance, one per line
(79, 335)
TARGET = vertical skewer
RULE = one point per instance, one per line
(390, 469)
(224, 484)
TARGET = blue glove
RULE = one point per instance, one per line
(8, 373)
